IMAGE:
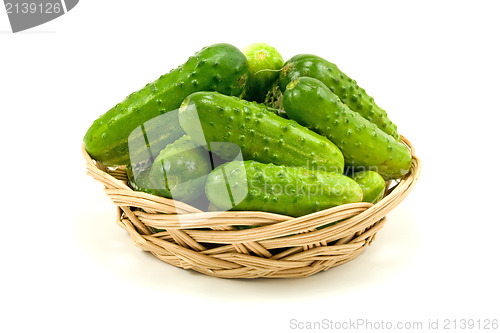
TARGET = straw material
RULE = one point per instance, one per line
(281, 247)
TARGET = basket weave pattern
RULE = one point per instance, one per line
(282, 247)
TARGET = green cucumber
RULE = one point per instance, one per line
(180, 170)
(364, 145)
(293, 191)
(219, 67)
(264, 63)
(213, 119)
(373, 185)
(343, 86)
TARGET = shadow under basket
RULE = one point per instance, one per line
(281, 247)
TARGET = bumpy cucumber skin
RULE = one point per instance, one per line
(292, 191)
(343, 86)
(264, 63)
(260, 134)
(180, 170)
(364, 145)
(219, 67)
(373, 185)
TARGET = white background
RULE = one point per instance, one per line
(67, 267)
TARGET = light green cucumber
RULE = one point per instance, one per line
(264, 63)
(293, 191)
(373, 185)
(229, 125)
(364, 145)
(219, 67)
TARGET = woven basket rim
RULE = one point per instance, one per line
(248, 253)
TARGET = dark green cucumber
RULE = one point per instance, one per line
(373, 185)
(293, 191)
(364, 145)
(211, 118)
(219, 67)
(343, 86)
(180, 170)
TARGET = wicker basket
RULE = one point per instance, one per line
(282, 247)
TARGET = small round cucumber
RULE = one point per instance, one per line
(373, 185)
(264, 63)
(292, 191)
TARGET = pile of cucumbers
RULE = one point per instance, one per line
(238, 129)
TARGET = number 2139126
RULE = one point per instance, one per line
(32, 8)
